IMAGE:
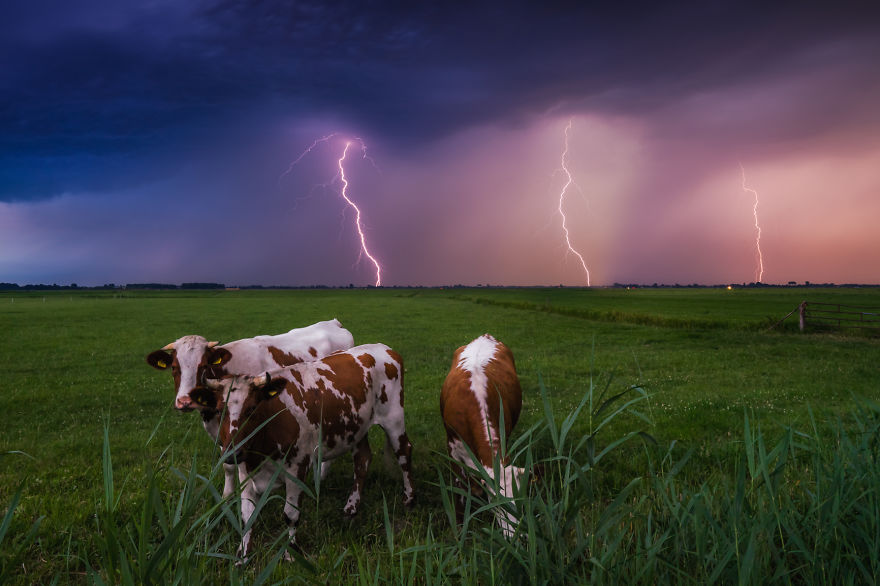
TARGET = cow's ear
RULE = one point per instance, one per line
(206, 398)
(270, 387)
(159, 359)
(218, 356)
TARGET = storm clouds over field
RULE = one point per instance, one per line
(147, 142)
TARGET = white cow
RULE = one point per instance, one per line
(193, 360)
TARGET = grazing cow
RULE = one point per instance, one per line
(324, 407)
(193, 360)
(482, 380)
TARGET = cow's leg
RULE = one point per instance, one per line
(362, 456)
(325, 468)
(248, 504)
(460, 479)
(506, 520)
(402, 448)
(458, 482)
(228, 479)
(296, 470)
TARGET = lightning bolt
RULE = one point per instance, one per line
(759, 271)
(304, 153)
(357, 210)
(364, 251)
(568, 183)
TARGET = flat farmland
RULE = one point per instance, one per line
(74, 369)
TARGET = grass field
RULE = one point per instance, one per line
(74, 368)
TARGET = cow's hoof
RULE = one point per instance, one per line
(291, 547)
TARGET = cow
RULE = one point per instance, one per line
(481, 382)
(193, 360)
(322, 408)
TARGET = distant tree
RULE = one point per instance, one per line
(150, 286)
(202, 286)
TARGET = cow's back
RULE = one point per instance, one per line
(346, 388)
(265, 353)
(481, 380)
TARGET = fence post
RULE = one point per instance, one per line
(802, 315)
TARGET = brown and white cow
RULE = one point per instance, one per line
(194, 360)
(324, 407)
(480, 383)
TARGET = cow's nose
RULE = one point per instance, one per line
(183, 403)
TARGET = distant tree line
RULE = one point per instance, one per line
(215, 286)
(757, 285)
(169, 286)
(55, 287)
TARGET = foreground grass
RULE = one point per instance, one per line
(800, 509)
(74, 365)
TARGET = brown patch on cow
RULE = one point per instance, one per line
(504, 386)
(330, 401)
(213, 363)
(383, 397)
(283, 358)
(367, 360)
(461, 414)
(313, 352)
(215, 371)
(175, 371)
(395, 357)
(390, 371)
(346, 376)
(399, 360)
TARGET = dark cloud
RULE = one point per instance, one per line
(95, 93)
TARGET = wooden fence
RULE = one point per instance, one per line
(837, 315)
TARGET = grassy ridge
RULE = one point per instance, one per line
(74, 362)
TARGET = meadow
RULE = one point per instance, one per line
(733, 452)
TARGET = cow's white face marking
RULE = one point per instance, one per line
(235, 392)
(189, 351)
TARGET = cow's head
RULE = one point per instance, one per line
(192, 360)
(238, 396)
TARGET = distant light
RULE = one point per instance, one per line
(730, 287)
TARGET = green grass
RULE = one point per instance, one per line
(74, 367)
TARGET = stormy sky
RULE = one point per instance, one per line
(154, 142)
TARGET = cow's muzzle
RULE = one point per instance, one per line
(184, 404)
